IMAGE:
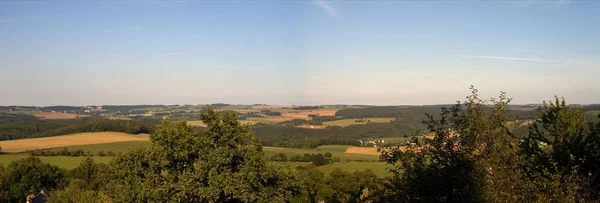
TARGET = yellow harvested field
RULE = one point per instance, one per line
(196, 123)
(69, 140)
(362, 150)
(305, 113)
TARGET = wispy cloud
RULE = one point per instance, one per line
(172, 54)
(5, 21)
(325, 6)
(510, 58)
(109, 30)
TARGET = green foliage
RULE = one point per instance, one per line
(91, 175)
(32, 128)
(270, 113)
(281, 157)
(222, 163)
(338, 186)
(28, 176)
(452, 165)
(319, 160)
(474, 157)
(569, 145)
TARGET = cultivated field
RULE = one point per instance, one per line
(363, 150)
(304, 113)
(347, 122)
(68, 140)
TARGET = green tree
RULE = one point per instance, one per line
(319, 160)
(328, 155)
(29, 175)
(91, 175)
(313, 186)
(559, 143)
(221, 163)
(470, 149)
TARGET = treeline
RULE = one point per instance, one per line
(305, 107)
(316, 159)
(388, 111)
(287, 135)
(414, 112)
(270, 113)
(66, 152)
(32, 128)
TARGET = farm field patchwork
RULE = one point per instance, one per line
(68, 140)
(353, 121)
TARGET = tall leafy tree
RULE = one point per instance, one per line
(28, 176)
(559, 142)
(221, 163)
(469, 158)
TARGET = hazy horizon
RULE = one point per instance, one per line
(297, 52)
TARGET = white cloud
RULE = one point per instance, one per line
(109, 30)
(172, 54)
(325, 6)
(509, 58)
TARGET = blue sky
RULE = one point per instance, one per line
(297, 52)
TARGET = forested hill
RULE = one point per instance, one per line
(14, 126)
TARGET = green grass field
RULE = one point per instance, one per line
(397, 140)
(336, 151)
(378, 168)
(347, 122)
(61, 161)
(114, 147)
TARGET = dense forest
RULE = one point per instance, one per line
(472, 156)
(22, 126)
